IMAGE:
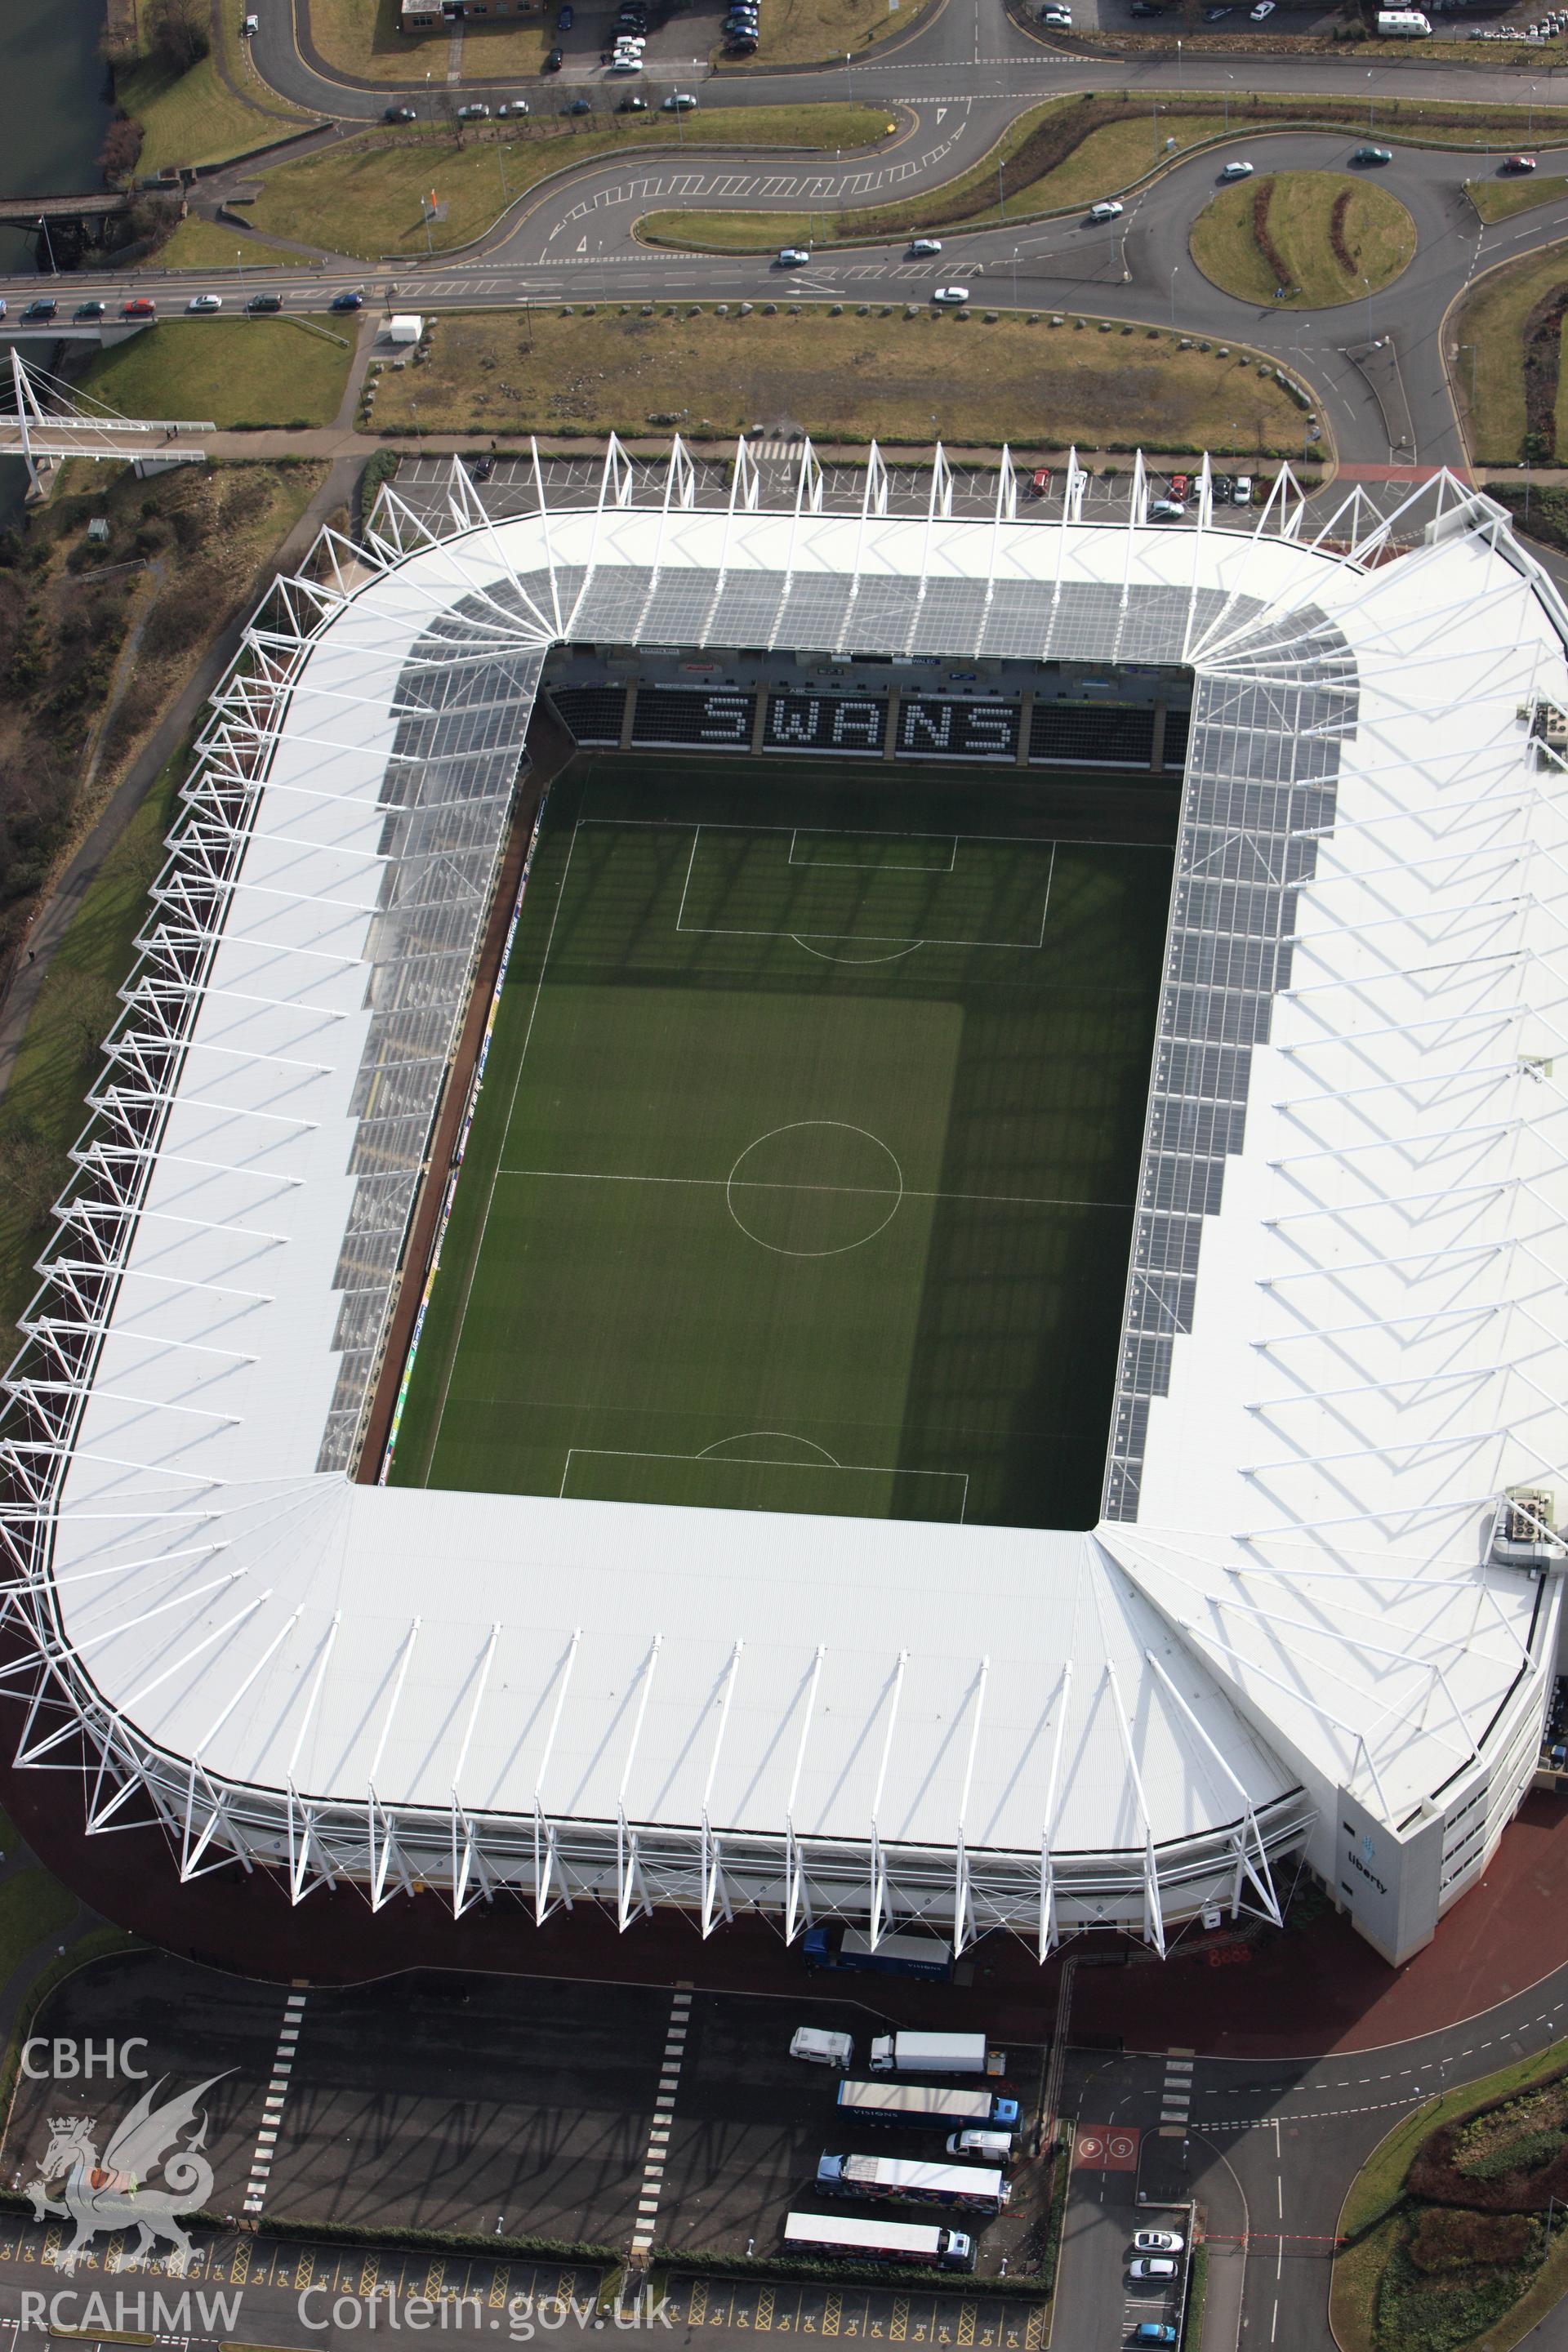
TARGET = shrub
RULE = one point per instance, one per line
(1446, 2239)
(121, 148)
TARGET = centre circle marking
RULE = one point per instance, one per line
(875, 1194)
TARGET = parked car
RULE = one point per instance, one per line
(1158, 2242)
(262, 305)
(1241, 491)
(399, 115)
(1221, 488)
(1372, 155)
(954, 296)
(1237, 170)
(484, 469)
(680, 101)
(1264, 9)
(347, 302)
(620, 64)
(1109, 210)
(564, 22)
(1059, 18)
(204, 302)
(475, 111)
(511, 106)
(139, 306)
(922, 247)
(250, 24)
(83, 310)
(1041, 482)
(43, 308)
(554, 61)
(1166, 511)
(741, 45)
(1519, 163)
(1152, 2267)
(1153, 2331)
(1180, 485)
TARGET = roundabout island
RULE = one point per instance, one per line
(1303, 240)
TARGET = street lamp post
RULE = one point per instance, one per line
(1367, 283)
(1174, 269)
(1014, 277)
(240, 257)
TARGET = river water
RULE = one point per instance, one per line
(54, 107)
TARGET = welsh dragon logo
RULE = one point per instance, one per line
(113, 2192)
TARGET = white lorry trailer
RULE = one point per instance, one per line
(932, 2054)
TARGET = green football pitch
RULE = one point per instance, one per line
(801, 1176)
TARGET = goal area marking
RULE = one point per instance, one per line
(793, 930)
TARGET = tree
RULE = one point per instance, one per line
(180, 32)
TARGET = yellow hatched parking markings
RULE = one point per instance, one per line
(370, 2270)
(1035, 2329)
(435, 2279)
(967, 2323)
(51, 2244)
(832, 2310)
(499, 2279)
(765, 2307)
(899, 2328)
(307, 2269)
(697, 2303)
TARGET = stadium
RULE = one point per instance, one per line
(818, 1211)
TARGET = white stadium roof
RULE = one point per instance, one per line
(1344, 1330)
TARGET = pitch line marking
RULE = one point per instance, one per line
(875, 1192)
(785, 1437)
(758, 1462)
(871, 939)
(710, 1183)
(1012, 840)
(511, 1110)
(893, 956)
(849, 865)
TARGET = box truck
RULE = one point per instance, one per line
(892, 1956)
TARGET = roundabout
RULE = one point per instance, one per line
(1303, 240)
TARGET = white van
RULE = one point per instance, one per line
(820, 2048)
(995, 2146)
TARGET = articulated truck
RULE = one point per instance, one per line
(910, 2180)
(923, 2242)
(934, 2054)
(950, 2109)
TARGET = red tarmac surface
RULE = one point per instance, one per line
(1315, 1989)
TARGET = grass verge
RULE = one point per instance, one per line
(1488, 334)
(196, 117)
(1497, 200)
(199, 244)
(1054, 156)
(238, 371)
(1327, 236)
(812, 32)
(367, 194)
(98, 1944)
(362, 37)
(862, 372)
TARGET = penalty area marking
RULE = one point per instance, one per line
(756, 1462)
(871, 939)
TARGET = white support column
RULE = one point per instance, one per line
(796, 1896)
(962, 1892)
(631, 1893)
(544, 1855)
(878, 1864)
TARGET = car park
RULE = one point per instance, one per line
(633, 105)
(1108, 211)
(513, 106)
(475, 111)
(204, 302)
(398, 114)
(83, 310)
(41, 309)
(954, 296)
(1154, 2269)
(1237, 170)
(347, 302)
(554, 61)
(263, 305)
(1158, 2242)
(680, 101)
(1041, 482)
(1372, 155)
(922, 248)
(793, 257)
(1166, 511)
(1519, 163)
